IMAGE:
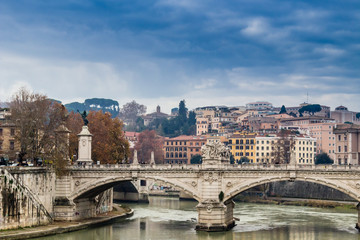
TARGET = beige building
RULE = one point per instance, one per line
(8, 145)
(347, 138)
(342, 115)
(304, 148)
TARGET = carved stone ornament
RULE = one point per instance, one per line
(209, 177)
(77, 183)
(215, 150)
(358, 185)
(229, 185)
(209, 208)
(194, 184)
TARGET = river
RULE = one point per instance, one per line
(170, 219)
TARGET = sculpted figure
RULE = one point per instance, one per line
(84, 115)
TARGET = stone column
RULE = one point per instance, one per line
(85, 138)
(152, 159)
(357, 226)
(135, 160)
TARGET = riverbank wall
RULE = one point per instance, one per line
(19, 206)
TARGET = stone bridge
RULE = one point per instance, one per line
(213, 186)
(87, 189)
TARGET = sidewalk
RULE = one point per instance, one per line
(63, 227)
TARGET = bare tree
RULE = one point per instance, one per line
(283, 147)
(36, 118)
(130, 111)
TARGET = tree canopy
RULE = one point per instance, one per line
(148, 142)
(282, 110)
(323, 158)
(131, 110)
(37, 118)
(108, 143)
(196, 159)
(311, 109)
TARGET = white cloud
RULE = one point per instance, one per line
(60, 79)
(205, 83)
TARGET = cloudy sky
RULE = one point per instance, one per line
(160, 52)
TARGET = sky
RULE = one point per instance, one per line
(210, 52)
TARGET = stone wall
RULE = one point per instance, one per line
(309, 190)
(19, 207)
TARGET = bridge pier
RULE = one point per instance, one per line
(215, 216)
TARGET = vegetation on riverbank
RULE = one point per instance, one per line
(294, 202)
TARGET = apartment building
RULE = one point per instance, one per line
(181, 149)
(347, 141)
(303, 147)
(242, 144)
(8, 145)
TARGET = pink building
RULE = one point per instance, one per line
(320, 128)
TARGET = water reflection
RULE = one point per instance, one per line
(169, 218)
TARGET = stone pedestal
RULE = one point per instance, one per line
(85, 138)
(215, 216)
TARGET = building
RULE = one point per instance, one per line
(149, 118)
(132, 138)
(325, 110)
(181, 149)
(342, 115)
(9, 147)
(259, 105)
(202, 125)
(325, 137)
(303, 148)
(347, 141)
(242, 144)
(320, 128)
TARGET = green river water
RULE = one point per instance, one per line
(169, 218)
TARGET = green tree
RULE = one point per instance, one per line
(323, 158)
(196, 159)
(232, 159)
(244, 160)
(283, 109)
(358, 115)
(311, 109)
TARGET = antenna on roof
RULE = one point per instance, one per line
(307, 97)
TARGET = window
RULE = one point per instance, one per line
(12, 131)
(345, 148)
(12, 145)
(1, 131)
(339, 148)
(339, 137)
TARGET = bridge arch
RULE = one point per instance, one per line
(235, 189)
(96, 186)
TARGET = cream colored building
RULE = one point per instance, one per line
(304, 149)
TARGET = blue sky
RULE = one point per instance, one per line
(160, 52)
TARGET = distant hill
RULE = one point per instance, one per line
(95, 104)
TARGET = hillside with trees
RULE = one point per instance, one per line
(95, 104)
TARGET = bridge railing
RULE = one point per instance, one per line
(222, 166)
